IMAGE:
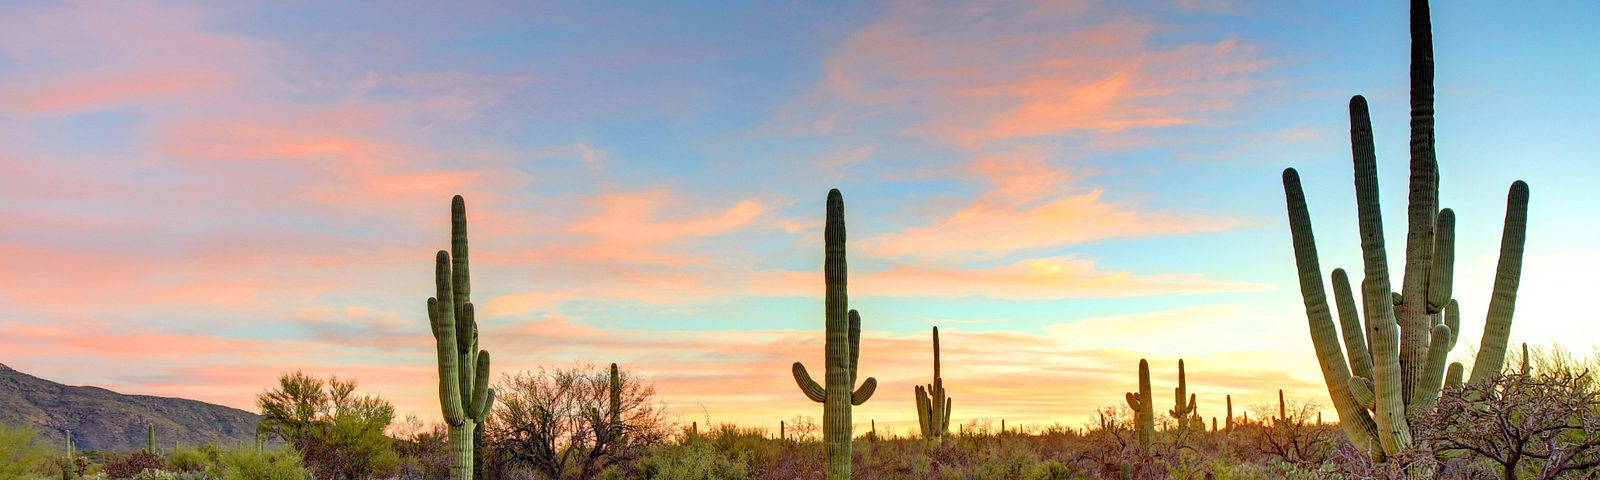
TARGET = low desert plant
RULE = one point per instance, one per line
(22, 454)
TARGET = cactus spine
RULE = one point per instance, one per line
(1143, 412)
(933, 407)
(1408, 334)
(464, 392)
(843, 332)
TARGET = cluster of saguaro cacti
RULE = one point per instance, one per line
(933, 407)
(1397, 362)
(464, 392)
(1144, 415)
(843, 333)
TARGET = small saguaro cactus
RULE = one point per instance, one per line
(1229, 428)
(1183, 408)
(1143, 410)
(1397, 361)
(843, 333)
(933, 407)
(615, 389)
(464, 392)
(69, 464)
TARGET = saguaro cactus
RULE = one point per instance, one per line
(464, 392)
(615, 389)
(1183, 407)
(1229, 429)
(933, 407)
(843, 332)
(1408, 335)
(1143, 410)
(69, 464)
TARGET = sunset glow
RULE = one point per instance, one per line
(200, 196)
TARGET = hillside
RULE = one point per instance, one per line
(101, 419)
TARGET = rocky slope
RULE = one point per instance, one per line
(104, 420)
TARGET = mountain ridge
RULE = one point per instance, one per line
(102, 419)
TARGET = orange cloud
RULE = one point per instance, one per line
(1034, 279)
(624, 220)
(1026, 209)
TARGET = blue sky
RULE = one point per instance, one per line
(202, 197)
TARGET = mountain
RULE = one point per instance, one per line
(104, 420)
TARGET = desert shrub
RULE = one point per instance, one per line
(1541, 422)
(695, 460)
(249, 463)
(132, 465)
(190, 459)
(556, 421)
(1289, 433)
(339, 435)
(22, 454)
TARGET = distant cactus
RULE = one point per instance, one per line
(69, 463)
(933, 407)
(1184, 405)
(1229, 427)
(615, 389)
(843, 332)
(464, 392)
(1143, 412)
(1409, 334)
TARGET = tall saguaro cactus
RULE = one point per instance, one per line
(843, 332)
(933, 407)
(1143, 407)
(1397, 362)
(464, 392)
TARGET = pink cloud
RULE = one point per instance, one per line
(106, 90)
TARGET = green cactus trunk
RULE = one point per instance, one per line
(615, 389)
(933, 406)
(464, 393)
(843, 333)
(69, 469)
(1399, 362)
(1143, 409)
(1229, 424)
(1184, 406)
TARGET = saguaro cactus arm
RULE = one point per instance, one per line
(1357, 425)
(1507, 276)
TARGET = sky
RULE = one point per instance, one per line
(201, 196)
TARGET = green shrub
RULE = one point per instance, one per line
(191, 459)
(22, 454)
(247, 463)
(694, 461)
